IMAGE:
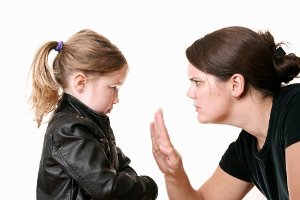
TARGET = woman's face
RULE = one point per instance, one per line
(212, 99)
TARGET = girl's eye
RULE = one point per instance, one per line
(117, 87)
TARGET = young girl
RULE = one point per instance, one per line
(240, 78)
(80, 159)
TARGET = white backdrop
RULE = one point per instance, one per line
(153, 36)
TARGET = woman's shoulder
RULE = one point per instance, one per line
(294, 87)
(286, 102)
(288, 92)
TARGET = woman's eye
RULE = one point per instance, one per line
(114, 87)
(197, 83)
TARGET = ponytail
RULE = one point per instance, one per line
(86, 51)
(45, 91)
(287, 67)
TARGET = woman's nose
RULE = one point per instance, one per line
(190, 93)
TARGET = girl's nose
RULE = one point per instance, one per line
(116, 97)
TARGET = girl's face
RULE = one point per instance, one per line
(212, 99)
(101, 94)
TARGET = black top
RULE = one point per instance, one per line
(266, 168)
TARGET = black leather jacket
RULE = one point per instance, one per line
(80, 159)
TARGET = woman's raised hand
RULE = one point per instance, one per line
(167, 158)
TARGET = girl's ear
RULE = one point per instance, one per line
(79, 82)
(238, 85)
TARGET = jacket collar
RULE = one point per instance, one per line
(76, 106)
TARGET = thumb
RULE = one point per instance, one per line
(165, 150)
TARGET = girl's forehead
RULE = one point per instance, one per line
(116, 78)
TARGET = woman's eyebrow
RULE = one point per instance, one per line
(194, 78)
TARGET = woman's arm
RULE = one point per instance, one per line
(292, 155)
(224, 186)
(169, 162)
(219, 186)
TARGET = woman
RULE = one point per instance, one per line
(239, 77)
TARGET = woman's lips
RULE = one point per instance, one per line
(197, 108)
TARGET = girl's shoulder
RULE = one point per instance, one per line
(67, 123)
(68, 118)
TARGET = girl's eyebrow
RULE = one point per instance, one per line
(118, 83)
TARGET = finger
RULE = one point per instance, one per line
(152, 131)
(161, 128)
(164, 149)
(173, 159)
(156, 123)
(155, 146)
(154, 128)
(157, 129)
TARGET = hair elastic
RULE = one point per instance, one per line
(279, 52)
(59, 46)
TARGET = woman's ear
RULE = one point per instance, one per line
(79, 82)
(238, 85)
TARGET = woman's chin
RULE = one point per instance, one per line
(202, 120)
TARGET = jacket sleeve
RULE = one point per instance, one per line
(124, 167)
(124, 162)
(82, 157)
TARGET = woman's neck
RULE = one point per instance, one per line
(252, 114)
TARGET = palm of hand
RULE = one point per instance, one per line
(167, 158)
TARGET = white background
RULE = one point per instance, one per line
(153, 36)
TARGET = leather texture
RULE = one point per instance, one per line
(80, 159)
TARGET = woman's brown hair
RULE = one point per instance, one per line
(240, 50)
(86, 51)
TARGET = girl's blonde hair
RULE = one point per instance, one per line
(86, 51)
